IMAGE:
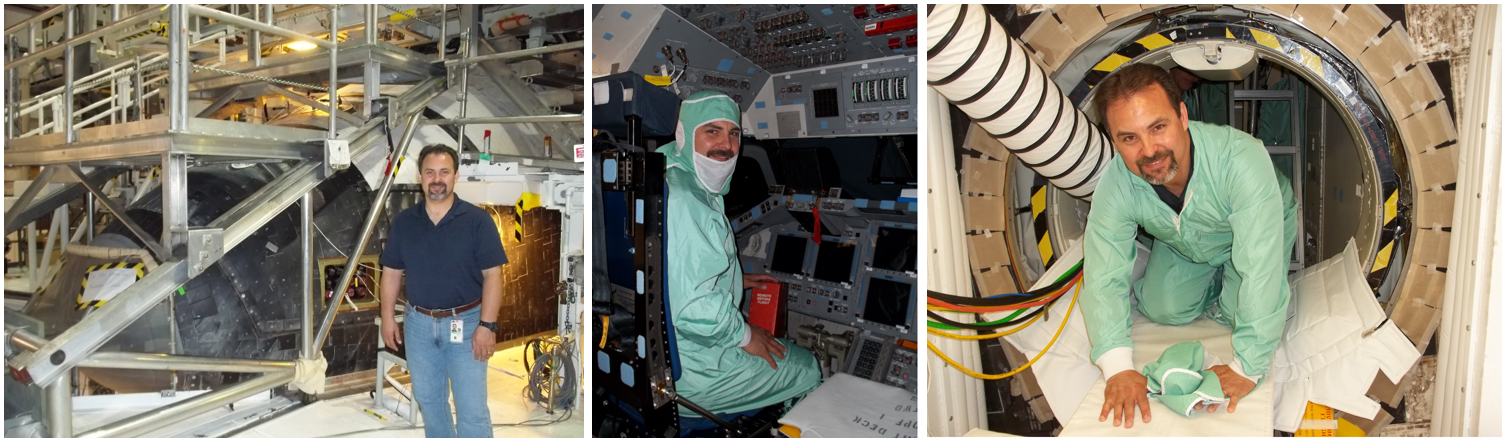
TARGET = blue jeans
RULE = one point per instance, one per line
(438, 366)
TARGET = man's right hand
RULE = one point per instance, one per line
(764, 345)
(1123, 392)
(390, 332)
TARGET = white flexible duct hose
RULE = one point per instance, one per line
(974, 64)
(100, 252)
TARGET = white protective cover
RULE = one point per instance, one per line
(846, 406)
(1337, 337)
(1251, 418)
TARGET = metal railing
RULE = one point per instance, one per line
(53, 111)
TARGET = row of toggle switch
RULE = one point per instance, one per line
(875, 90)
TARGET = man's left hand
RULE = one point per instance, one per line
(1234, 386)
(484, 344)
(757, 280)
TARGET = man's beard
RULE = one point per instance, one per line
(1171, 169)
(437, 196)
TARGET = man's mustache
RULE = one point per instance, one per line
(722, 153)
(1159, 156)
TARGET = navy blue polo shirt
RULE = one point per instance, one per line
(443, 262)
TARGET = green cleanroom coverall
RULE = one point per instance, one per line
(705, 285)
(1226, 254)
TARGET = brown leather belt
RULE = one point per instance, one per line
(448, 312)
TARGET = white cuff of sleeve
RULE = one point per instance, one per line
(1240, 369)
(747, 336)
(1117, 360)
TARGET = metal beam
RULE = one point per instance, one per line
(220, 102)
(306, 276)
(157, 419)
(158, 361)
(44, 15)
(505, 120)
(23, 201)
(253, 212)
(60, 407)
(243, 22)
(145, 14)
(158, 250)
(174, 200)
(56, 358)
(334, 68)
(519, 54)
(301, 99)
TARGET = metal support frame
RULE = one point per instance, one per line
(158, 361)
(174, 200)
(306, 276)
(64, 352)
(372, 89)
(243, 22)
(34, 55)
(336, 112)
(158, 250)
(444, 30)
(519, 54)
(68, 74)
(378, 203)
(60, 407)
(230, 95)
(177, 69)
(468, 16)
(150, 421)
(23, 201)
(334, 68)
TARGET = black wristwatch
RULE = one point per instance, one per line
(489, 326)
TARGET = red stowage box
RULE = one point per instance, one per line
(767, 310)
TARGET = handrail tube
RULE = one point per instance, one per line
(377, 205)
(53, 50)
(44, 15)
(243, 22)
(505, 120)
(150, 421)
(519, 54)
(158, 361)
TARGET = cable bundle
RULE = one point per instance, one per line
(1040, 300)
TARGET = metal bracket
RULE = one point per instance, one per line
(205, 246)
(336, 155)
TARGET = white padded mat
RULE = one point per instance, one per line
(1253, 417)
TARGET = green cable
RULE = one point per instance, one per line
(1006, 319)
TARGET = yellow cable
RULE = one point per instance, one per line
(985, 336)
(604, 323)
(1028, 364)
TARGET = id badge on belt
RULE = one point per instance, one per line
(457, 330)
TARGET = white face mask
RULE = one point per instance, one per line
(712, 173)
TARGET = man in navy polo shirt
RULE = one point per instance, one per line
(451, 253)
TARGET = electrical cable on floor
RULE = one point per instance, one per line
(1027, 365)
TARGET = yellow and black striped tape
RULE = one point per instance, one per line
(140, 272)
(1382, 264)
(1038, 220)
(525, 202)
